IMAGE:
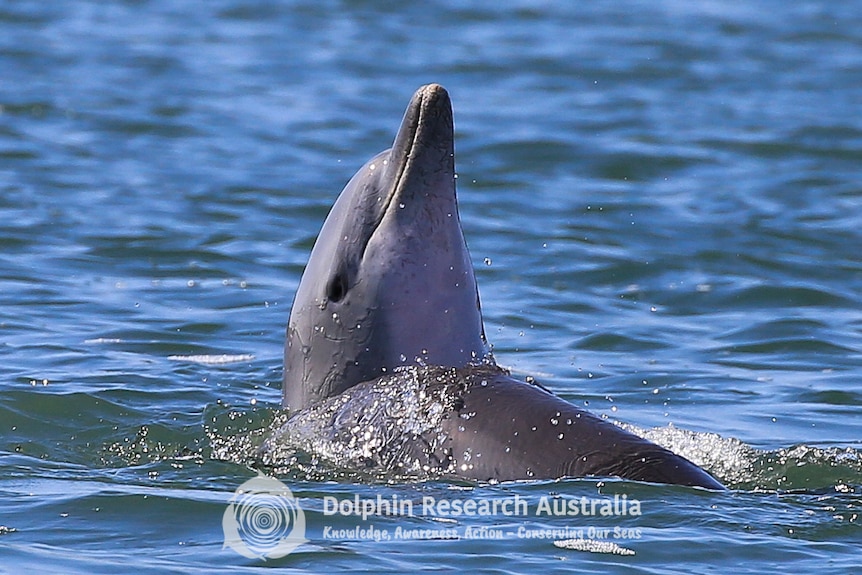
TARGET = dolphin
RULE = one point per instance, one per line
(386, 363)
(389, 281)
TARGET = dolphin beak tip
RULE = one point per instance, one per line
(431, 97)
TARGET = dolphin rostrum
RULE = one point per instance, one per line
(386, 363)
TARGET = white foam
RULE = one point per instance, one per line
(213, 359)
(593, 546)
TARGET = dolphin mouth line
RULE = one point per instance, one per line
(407, 154)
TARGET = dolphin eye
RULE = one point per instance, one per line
(337, 288)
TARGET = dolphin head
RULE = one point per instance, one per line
(389, 281)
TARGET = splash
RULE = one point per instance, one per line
(741, 466)
(389, 427)
(150, 444)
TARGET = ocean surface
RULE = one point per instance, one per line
(663, 203)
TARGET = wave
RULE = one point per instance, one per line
(743, 467)
(237, 437)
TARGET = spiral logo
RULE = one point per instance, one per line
(264, 520)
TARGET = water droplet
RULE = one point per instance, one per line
(560, 436)
(487, 261)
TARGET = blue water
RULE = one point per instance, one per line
(663, 205)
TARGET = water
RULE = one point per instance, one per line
(662, 204)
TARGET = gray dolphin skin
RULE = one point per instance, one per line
(389, 281)
(386, 360)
